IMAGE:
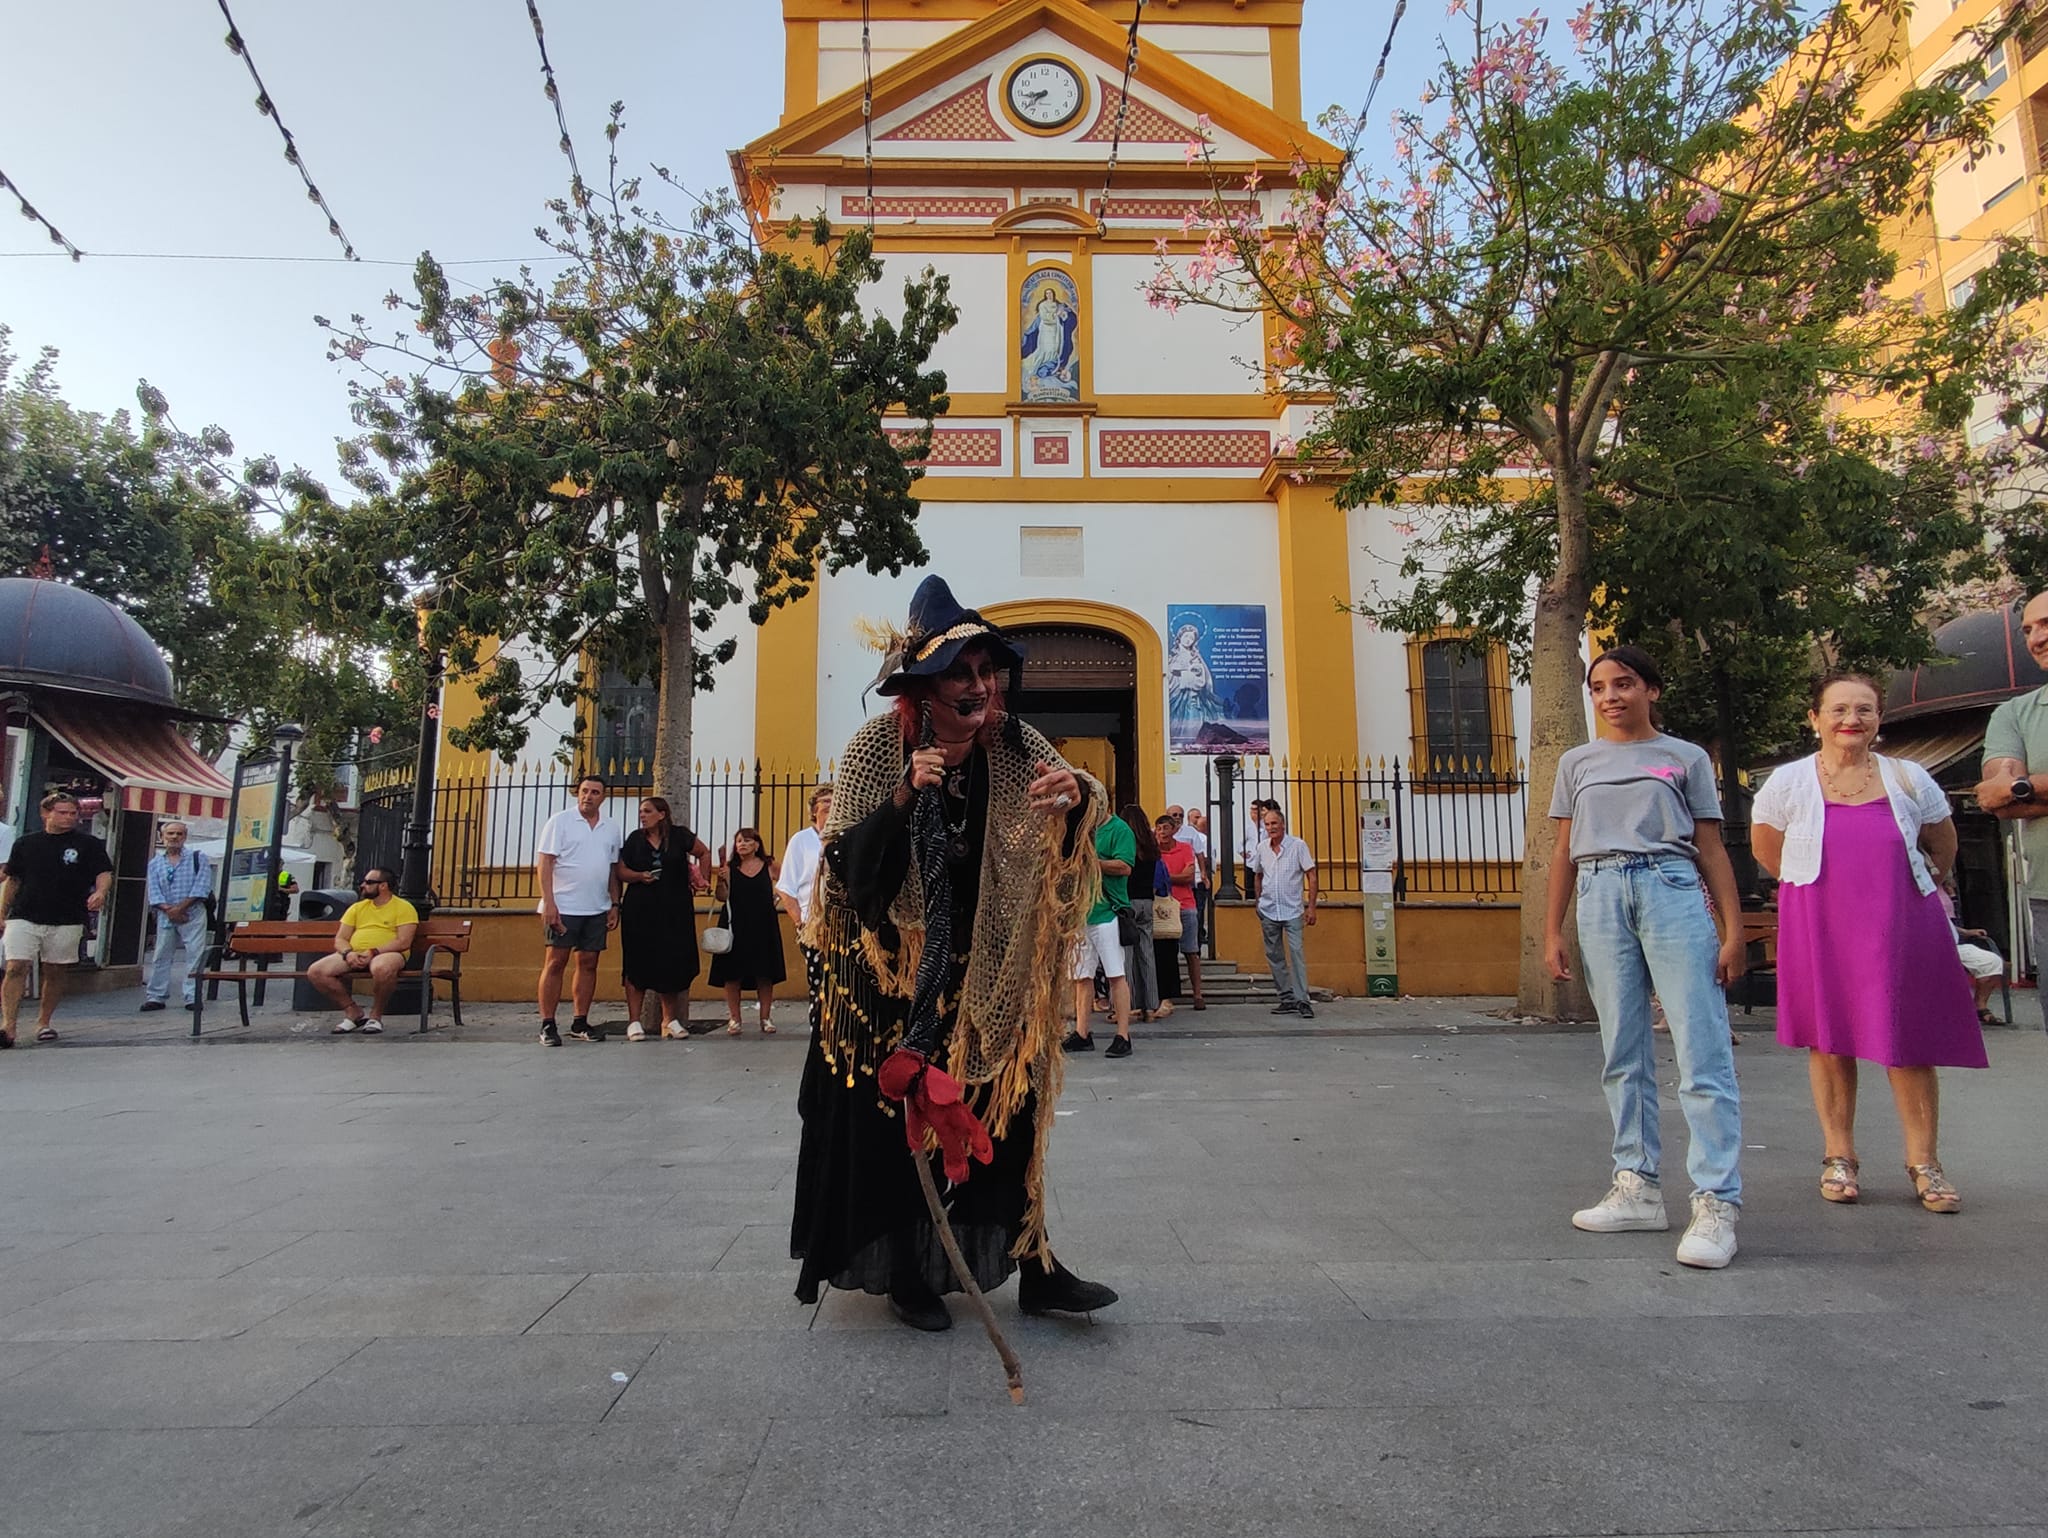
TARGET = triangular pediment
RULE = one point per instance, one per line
(948, 102)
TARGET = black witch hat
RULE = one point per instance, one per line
(935, 633)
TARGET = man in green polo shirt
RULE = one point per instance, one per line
(1116, 847)
(2015, 785)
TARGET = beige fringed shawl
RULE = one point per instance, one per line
(1005, 1035)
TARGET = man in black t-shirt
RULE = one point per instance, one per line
(54, 879)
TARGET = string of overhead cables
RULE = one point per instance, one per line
(1123, 107)
(237, 256)
(28, 211)
(554, 95)
(867, 110)
(1379, 73)
(268, 108)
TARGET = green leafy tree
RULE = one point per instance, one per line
(167, 525)
(598, 463)
(1686, 185)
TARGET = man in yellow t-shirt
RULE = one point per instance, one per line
(374, 939)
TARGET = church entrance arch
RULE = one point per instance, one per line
(1092, 684)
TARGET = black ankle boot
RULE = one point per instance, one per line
(911, 1301)
(1056, 1290)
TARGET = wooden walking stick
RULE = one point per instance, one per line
(1013, 1370)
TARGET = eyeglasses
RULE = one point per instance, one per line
(373, 881)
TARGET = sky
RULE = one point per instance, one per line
(132, 128)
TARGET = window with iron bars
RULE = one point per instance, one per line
(1460, 710)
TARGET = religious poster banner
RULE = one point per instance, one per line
(1050, 308)
(1216, 679)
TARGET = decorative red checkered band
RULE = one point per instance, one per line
(1142, 124)
(1184, 448)
(1049, 450)
(962, 118)
(1169, 210)
(855, 205)
(978, 448)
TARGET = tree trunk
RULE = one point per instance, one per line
(1734, 799)
(678, 683)
(1557, 721)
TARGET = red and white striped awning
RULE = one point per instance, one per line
(157, 770)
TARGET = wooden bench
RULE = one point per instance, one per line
(243, 959)
(1760, 936)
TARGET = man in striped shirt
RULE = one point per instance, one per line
(179, 881)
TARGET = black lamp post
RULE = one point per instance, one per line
(416, 865)
(284, 739)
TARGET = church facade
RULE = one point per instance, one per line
(1107, 480)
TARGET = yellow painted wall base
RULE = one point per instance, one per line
(503, 964)
(1446, 951)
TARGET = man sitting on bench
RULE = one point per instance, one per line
(374, 939)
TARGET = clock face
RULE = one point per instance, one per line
(1045, 94)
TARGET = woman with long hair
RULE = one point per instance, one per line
(1183, 869)
(1141, 966)
(660, 870)
(746, 885)
(1867, 964)
(1639, 846)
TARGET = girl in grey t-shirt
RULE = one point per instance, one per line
(1639, 828)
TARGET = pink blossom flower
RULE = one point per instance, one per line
(433, 712)
(1582, 24)
(1159, 245)
(376, 735)
(1704, 211)
(1253, 180)
(1203, 122)
(1927, 448)
(1191, 151)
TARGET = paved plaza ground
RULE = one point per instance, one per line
(458, 1284)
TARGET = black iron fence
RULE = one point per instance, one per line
(486, 826)
(1457, 834)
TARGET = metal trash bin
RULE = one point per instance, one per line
(326, 904)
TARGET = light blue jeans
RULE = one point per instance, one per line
(1290, 976)
(1643, 925)
(191, 934)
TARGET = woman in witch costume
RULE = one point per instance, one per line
(959, 863)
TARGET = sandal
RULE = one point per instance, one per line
(732, 1027)
(1838, 1179)
(1936, 1191)
(767, 1027)
(47, 1033)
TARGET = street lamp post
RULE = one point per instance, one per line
(416, 865)
(284, 739)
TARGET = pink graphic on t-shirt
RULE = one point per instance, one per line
(1663, 771)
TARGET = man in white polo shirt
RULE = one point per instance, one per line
(2015, 784)
(579, 904)
(1287, 901)
(800, 862)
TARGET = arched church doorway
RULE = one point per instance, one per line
(1081, 690)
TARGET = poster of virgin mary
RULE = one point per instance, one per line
(1051, 312)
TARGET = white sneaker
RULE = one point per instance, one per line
(636, 1032)
(1631, 1205)
(1709, 1241)
(343, 1026)
(373, 1026)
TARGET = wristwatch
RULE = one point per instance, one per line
(2023, 789)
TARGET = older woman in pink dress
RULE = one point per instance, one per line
(1867, 967)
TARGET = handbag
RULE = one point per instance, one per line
(717, 939)
(1166, 918)
(1126, 927)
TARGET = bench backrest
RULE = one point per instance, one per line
(288, 937)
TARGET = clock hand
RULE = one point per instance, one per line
(1033, 98)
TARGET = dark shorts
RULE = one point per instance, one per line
(579, 932)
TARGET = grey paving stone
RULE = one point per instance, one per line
(621, 1481)
(471, 1381)
(156, 1256)
(182, 1484)
(364, 1306)
(707, 1376)
(463, 1251)
(149, 1385)
(154, 1310)
(632, 1302)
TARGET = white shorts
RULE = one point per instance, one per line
(54, 945)
(1098, 943)
(1977, 961)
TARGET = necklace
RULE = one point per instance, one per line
(1835, 788)
(956, 832)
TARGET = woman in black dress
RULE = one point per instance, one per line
(746, 885)
(661, 869)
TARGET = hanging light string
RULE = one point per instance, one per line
(268, 108)
(577, 191)
(867, 109)
(28, 211)
(1379, 73)
(1123, 107)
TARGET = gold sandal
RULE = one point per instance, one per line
(1838, 1178)
(1936, 1191)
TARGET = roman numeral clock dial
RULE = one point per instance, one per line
(1044, 95)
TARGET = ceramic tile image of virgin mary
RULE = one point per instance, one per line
(1051, 312)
